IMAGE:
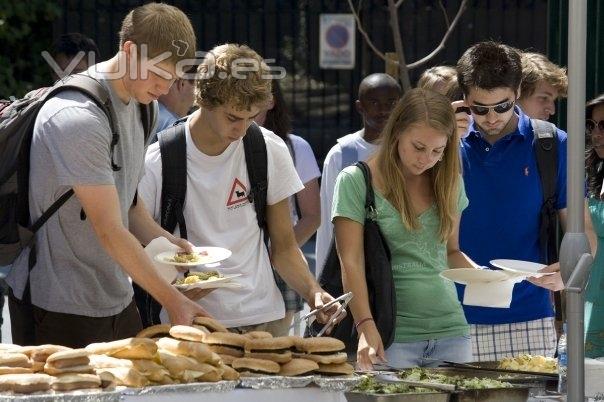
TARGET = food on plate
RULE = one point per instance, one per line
(210, 324)
(196, 277)
(182, 257)
(419, 374)
(323, 350)
(70, 382)
(129, 348)
(226, 343)
(526, 362)
(247, 366)
(297, 367)
(25, 383)
(275, 349)
(155, 331)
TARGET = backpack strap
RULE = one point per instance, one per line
(545, 144)
(149, 118)
(173, 149)
(257, 169)
(350, 153)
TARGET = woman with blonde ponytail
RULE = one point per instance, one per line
(419, 198)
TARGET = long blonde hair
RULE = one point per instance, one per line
(422, 106)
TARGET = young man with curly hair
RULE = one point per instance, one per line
(233, 86)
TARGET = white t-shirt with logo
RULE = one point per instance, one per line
(218, 213)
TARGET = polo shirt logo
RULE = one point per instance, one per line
(526, 171)
(237, 194)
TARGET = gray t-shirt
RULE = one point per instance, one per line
(71, 146)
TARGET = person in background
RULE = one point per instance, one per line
(378, 93)
(419, 197)
(442, 79)
(73, 45)
(305, 205)
(543, 82)
(177, 103)
(594, 294)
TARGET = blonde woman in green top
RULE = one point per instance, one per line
(419, 197)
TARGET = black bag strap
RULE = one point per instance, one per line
(173, 149)
(257, 169)
(148, 118)
(545, 144)
(370, 210)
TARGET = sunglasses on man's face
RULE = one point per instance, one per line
(498, 108)
(590, 126)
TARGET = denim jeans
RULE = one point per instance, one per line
(430, 353)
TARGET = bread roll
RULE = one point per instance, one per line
(130, 348)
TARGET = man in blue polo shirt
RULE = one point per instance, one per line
(503, 184)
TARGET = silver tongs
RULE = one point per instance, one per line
(312, 316)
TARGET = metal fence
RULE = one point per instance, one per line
(322, 101)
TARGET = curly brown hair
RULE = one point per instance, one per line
(235, 75)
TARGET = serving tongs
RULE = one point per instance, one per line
(446, 363)
(312, 316)
(394, 379)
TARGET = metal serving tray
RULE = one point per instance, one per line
(407, 397)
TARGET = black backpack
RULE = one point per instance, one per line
(545, 144)
(17, 119)
(173, 149)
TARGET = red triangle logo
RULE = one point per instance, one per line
(238, 193)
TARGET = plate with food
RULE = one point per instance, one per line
(521, 267)
(206, 280)
(199, 256)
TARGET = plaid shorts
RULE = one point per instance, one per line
(494, 342)
(293, 301)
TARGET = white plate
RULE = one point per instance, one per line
(214, 254)
(473, 275)
(521, 267)
(222, 282)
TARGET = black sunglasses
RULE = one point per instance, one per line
(498, 108)
(590, 125)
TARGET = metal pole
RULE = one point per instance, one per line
(574, 243)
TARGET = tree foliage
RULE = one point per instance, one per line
(25, 31)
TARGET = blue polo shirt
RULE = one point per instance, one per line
(504, 188)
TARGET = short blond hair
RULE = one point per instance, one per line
(235, 75)
(442, 79)
(162, 28)
(537, 67)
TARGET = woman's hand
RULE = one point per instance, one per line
(551, 282)
(371, 349)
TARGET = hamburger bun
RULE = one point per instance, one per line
(8, 359)
(275, 349)
(41, 353)
(227, 359)
(15, 370)
(125, 376)
(196, 350)
(298, 367)
(334, 358)
(229, 373)
(70, 382)
(258, 334)
(9, 347)
(25, 383)
(68, 358)
(155, 331)
(104, 361)
(226, 343)
(178, 365)
(211, 324)
(130, 348)
(186, 333)
(153, 371)
(322, 344)
(340, 369)
(250, 366)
